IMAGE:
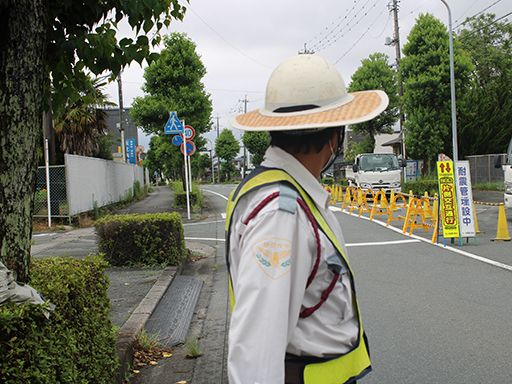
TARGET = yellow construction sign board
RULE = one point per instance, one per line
(447, 199)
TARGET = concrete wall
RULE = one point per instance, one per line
(89, 179)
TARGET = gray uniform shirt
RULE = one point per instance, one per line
(270, 260)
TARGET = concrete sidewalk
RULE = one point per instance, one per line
(136, 293)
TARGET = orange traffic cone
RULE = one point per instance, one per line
(502, 232)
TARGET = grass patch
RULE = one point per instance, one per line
(193, 348)
(496, 186)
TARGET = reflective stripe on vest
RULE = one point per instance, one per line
(349, 366)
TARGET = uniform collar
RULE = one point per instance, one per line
(275, 157)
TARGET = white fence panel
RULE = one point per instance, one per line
(91, 180)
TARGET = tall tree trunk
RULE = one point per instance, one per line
(22, 47)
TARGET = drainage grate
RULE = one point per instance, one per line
(171, 319)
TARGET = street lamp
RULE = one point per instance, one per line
(452, 86)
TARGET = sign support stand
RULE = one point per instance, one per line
(186, 175)
(189, 169)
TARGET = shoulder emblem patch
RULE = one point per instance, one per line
(274, 256)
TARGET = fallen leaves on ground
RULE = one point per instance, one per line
(142, 358)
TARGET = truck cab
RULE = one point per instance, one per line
(376, 171)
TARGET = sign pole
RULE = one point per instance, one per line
(186, 173)
(213, 172)
(189, 169)
(47, 166)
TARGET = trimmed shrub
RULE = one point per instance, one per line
(77, 343)
(419, 187)
(142, 239)
(180, 196)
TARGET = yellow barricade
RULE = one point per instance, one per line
(421, 215)
(395, 202)
(380, 205)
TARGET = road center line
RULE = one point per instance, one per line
(391, 242)
(447, 247)
(216, 193)
(206, 222)
(204, 238)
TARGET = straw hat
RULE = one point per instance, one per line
(306, 92)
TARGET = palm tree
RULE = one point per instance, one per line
(82, 124)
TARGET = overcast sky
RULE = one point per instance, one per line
(241, 42)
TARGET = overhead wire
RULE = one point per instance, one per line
(467, 10)
(485, 26)
(327, 34)
(226, 41)
(346, 28)
(385, 27)
(360, 37)
(476, 14)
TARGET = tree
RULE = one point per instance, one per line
(226, 148)
(375, 73)
(48, 45)
(81, 126)
(173, 82)
(256, 143)
(425, 70)
(486, 107)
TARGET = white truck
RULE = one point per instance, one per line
(507, 169)
(376, 171)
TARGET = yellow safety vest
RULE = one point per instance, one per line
(349, 366)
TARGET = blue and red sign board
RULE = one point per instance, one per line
(174, 126)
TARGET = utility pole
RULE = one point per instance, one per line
(218, 159)
(217, 125)
(121, 128)
(245, 101)
(393, 7)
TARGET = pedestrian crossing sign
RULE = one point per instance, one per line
(173, 125)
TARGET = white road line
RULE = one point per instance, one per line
(223, 215)
(216, 193)
(206, 222)
(204, 238)
(447, 247)
(391, 242)
(42, 234)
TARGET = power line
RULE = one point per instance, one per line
(350, 26)
(226, 41)
(360, 37)
(486, 25)
(319, 36)
(476, 14)
(385, 27)
(467, 9)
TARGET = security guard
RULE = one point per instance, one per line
(295, 316)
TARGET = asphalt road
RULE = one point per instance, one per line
(432, 315)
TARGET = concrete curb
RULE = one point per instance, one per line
(137, 320)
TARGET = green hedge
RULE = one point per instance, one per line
(180, 196)
(419, 187)
(77, 343)
(142, 239)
